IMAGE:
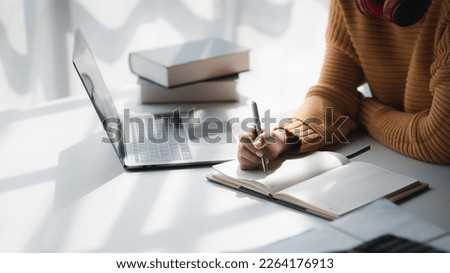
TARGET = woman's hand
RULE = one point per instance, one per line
(251, 147)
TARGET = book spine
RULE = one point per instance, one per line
(146, 69)
(208, 69)
(209, 91)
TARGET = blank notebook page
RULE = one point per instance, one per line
(348, 187)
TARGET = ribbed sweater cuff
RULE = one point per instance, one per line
(367, 110)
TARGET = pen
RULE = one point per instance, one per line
(258, 132)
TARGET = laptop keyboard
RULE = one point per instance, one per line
(393, 244)
(174, 147)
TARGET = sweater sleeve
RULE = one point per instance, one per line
(424, 135)
(330, 107)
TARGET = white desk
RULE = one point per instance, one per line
(62, 190)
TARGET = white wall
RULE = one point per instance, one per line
(36, 37)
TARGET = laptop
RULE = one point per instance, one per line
(153, 140)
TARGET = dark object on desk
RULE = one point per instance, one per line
(393, 244)
(355, 154)
(190, 62)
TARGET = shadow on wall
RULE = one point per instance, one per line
(40, 62)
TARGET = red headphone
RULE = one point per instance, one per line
(400, 12)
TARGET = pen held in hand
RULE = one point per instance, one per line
(258, 132)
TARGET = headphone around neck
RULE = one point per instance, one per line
(400, 12)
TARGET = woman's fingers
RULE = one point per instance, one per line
(249, 154)
(248, 159)
(251, 150)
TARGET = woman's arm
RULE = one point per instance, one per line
(331, 106)
(424, 135)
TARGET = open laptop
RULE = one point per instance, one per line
(154, 140)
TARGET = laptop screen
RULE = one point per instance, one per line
(93, 82)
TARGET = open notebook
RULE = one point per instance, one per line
(326, 184)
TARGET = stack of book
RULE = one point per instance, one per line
(199, 71)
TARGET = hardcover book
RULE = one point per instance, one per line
(217, 90)
(190, 62)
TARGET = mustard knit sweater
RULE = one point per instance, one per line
(407, 70)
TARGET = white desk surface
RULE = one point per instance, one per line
(62, 190)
